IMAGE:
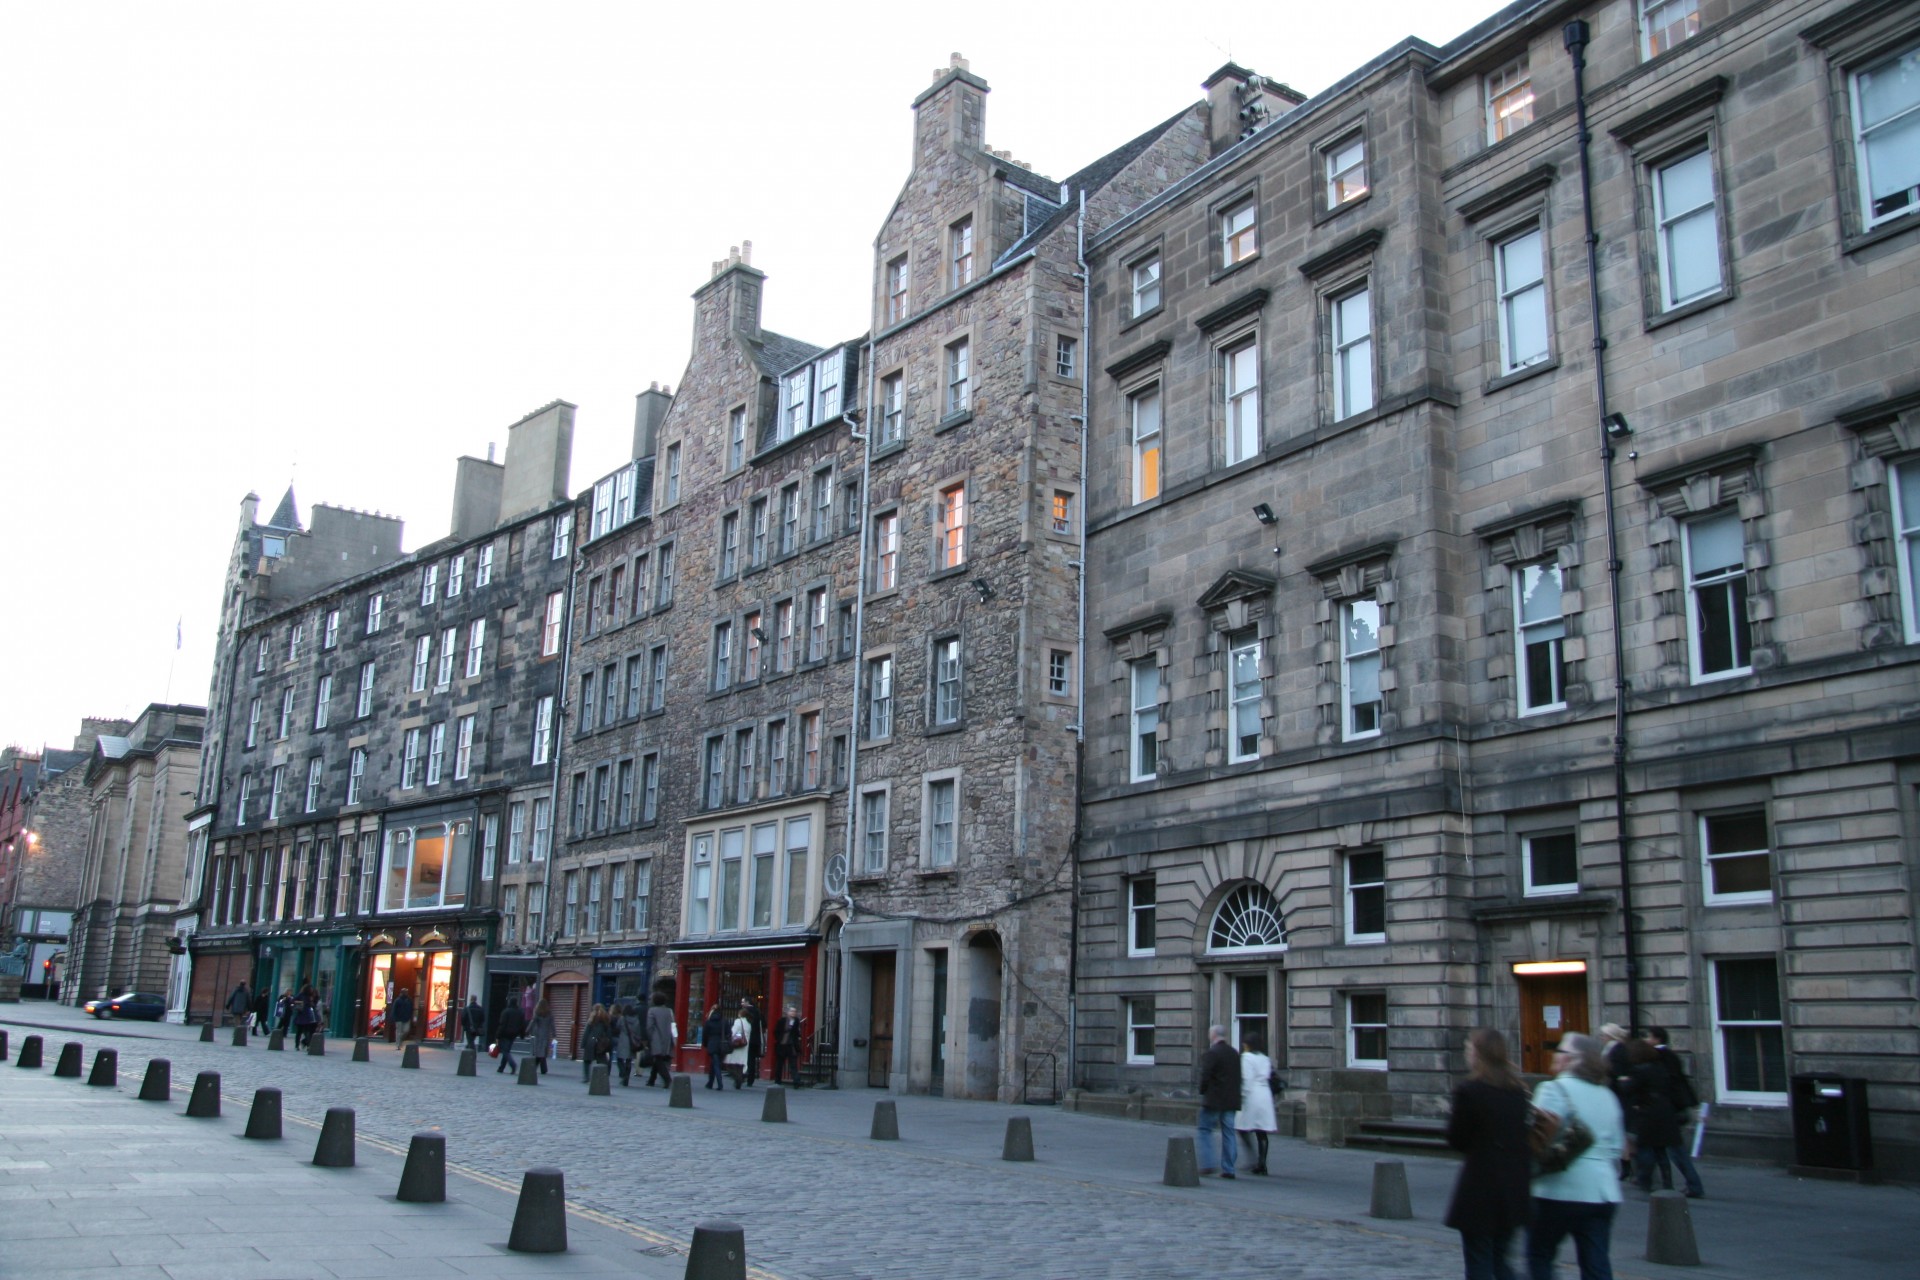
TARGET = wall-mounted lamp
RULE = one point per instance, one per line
(759, 633)
(984, 588)
(1616, 425)
(1264, 513)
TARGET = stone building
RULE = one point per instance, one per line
(1373, 540)
(43, 836)
(133, 880)
(383, 745)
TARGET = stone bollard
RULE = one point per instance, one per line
(424, 1180)
(1183, 1163)
(774, 1109)
(598, 1085)
(529, 1071)
(681, 1095)
(1019, 1140)
(1391, 1199)
(69, 1064)
(540, 1219)
(277, 1041)
(206, 1033)
(1670, 1231)
(410, 1057)
(106, 1068)
(240, 1036)
(360, 1053)
(335, 1148)
(204, 1102)
(29, 1052)
(158, 1085)
(469, 1063)
(316, 1045)
(264, 1120)
(719, 1252)
(886, 1122)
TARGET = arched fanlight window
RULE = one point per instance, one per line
(1248, 920)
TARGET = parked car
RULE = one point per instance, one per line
(132, 1004)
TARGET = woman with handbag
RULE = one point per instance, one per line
(1255, 1120)
(740, 1052)
(661, 1038)
(713, 1039)
(1580, 1199)
(1488, 1125)
(540, 1031)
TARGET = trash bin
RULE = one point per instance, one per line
(1830, 1129)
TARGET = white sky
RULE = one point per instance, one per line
(342, 244)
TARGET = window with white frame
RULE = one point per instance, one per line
(286, 712)
(489, 845)
(886, 551)
(422, 661)
(737, 438)
(1247, 920)
(822, 506)
(1367, 1030)
(1143, 417)
(253, 723)
(456, 575)
(950, 527)
(946, 680)
(897, 290)
(650, 787)
(363, 702)
(536, 913)
(752, 652)
(276, 783)
(579, 791)
(260, 655)
(1346, 167)
(1665, 24)
(463, 748)
(596, 921)
(893, 409)
(562, 535)
(313, 784)
(1239, 233)
(1062, 519)
(880, 697)
(827, 401)
(1715, 550)
(1751, 1065)
(322, 701)
(722, 657)
(714, 793)
(1059, 673)
(542, 843)
(729, 544)
(959, 377)
(642, 893)
(483, 567)
(571, 920)
(1906, 542)
(1143, 762)
(670, 481)
(1240, 377)
(1066, 356)
(429, 583)
(657, 678)
(1550, 862)
(960, 253)
(1360, 697)
(743, 763)
(617, 896)
(789, 519)
(449, 647)
(1365, 873)
(1351, 318)
(294, 635)
(369, 870)
(873, 831)
(356, 773)
(1519, 269)
(1736, 861)
(543, 730)
(330, 633)
(551, 622)
(809, 750)
(760, 875)
(817, 624)
(1540, 633)
(516, 832)
(1885, 100)
(623, 793)
(793, 404)
(942, 821)
(663, 577)
(733, 847)
(1687, 228)
(776, 758)
(1140, 1027)
(1509, 100)
(1144, 282)
(1244, 690)
(436, 752)
(376, 606)
(1143, 896)
(798, 848)
(476, 646)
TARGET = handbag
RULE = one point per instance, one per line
(739, 1042)
(493, 1050)
(1555, 1143)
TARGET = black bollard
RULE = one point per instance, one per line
(529, 1071)
(360, 1053)
(106, 1068)
(599, 1081)
(29, 1052)
(3, 1044)
(469, 1063)
(410, 1057)
(1183, 1165)
(158, 1086)
(681, 1095)
(204, 1103)
(774, 1109)
(240, 1036)
(277, 1042)
(886, 1122)
(1670, 1239)
(1018, 1144)
(316, 1045)
(424, 1180)
(206, 1033)
(69, 1064)
(540, 1219)
(1390, 1196)
(335, 1148)
(264, 1120)
(719, 1252)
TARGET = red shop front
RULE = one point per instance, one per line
(775, 974)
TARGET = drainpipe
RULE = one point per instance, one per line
(1080, 651)
(1576, 35)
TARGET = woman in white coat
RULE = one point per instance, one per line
(742, 1033)
(1256, 1119)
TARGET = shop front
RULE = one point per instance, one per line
(292, 961)
(623, 974)
(219, 965)
(510, 980)
(772, 972)
(425, 945)
(431, 965)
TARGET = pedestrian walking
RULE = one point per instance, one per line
(1488, 1125)
(1255, 1121)
(1652, 1119)
(740, 1046)
(714, 1039)
(540, 1031)
(512, 1025)
(756, 1038)
(473, 1021)
(306, 1018)
(788, 1040)
(663, 1037)
(262, 1009)
(596, 1042)
(240, 1003)
(1579, 1201)
(629, 1040)
(1219, 1100)
(283, 1012)
(400, 1013)
(1685, 1104)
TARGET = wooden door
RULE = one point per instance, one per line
(880, 1023)
(1551, 1005)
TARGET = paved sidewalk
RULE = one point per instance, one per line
(818, 1199)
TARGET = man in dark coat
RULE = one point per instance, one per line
(1491, 1195)
(512, 1025)
(1685, 1100)
(787, 1039)
(400, 1013)
(716, 1039)
(240, 1003)
(473, 1021)
(756, 1038)
(262, 1008)
(1219, 1100)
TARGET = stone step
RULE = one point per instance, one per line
(1403, 1137)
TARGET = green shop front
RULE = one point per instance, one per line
(328, 960)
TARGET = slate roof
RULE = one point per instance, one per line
(1091, 178)
(776, 353)
(287, 514)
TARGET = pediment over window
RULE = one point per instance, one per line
(1237, 584)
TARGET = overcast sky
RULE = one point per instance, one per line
(342, 244)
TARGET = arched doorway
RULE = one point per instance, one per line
(983, 1015)
(1245, 945)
